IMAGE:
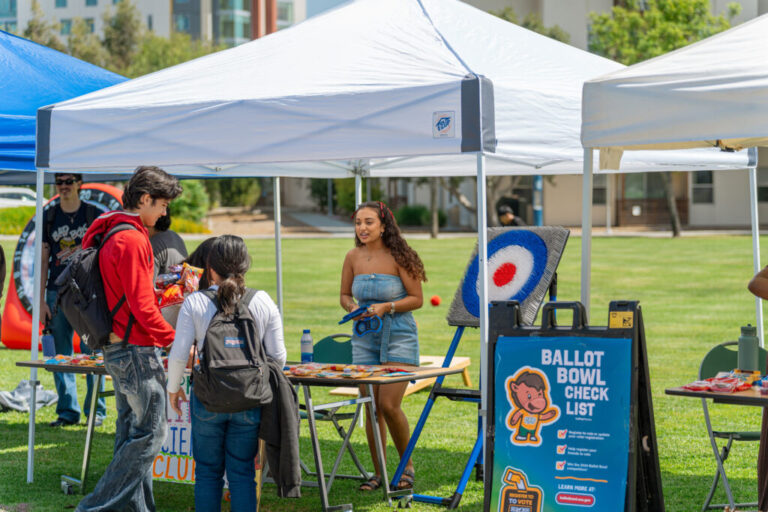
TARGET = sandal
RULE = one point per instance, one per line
(372, 484)
(406, 480)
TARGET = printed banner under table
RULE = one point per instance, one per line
(175, 462)
(562, 414)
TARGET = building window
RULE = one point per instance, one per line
(181, 22)
(89, 24)
(762, 185)
(91, 3)
(703, 188)
(149, 22)
(640, 185)
(7, 9)
(61, 3)
(66, 27)
(285, 11)
(115, 2)
(599, 184)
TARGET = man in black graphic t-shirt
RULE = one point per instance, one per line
(64, 226)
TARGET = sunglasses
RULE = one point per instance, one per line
(68, 181)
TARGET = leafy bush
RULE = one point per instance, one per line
(418, 215)
(192, 204)
(234, 191)
(181, 225)
(14, 220)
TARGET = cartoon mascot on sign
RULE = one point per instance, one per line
(528, 393)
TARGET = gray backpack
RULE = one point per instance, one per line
(232, 375)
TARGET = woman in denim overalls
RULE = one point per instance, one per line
(384, 274)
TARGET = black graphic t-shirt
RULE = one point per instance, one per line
(64, 236)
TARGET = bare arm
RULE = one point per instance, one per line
(759, 284)
(346, 299)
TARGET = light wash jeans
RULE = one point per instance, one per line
(139, 381)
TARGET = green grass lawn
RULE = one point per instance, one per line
(692, 290)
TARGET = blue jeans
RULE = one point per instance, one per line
(139, 381)
(224, 441)
(67, 407)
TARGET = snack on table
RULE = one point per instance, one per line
(164, 280)
(190, 278)
(174, 294)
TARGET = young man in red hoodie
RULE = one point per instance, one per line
(127, 268)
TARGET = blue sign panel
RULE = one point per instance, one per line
(562, 412)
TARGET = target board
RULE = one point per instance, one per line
(521, 265)
(17, 315)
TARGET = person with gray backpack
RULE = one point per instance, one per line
(234, 331)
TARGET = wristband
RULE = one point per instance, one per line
(392, 308)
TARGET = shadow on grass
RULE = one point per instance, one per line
(59, 452)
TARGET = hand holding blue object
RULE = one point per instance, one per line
(364, 325)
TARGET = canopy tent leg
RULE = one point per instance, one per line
(358, 190)
(755, 237)
(608, 203)
(35, 332)
(586, 229)
(278, 245)
(482, 254)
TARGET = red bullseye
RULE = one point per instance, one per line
(504, 274)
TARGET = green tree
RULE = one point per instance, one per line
(123, 32)
(533, 21)
(155, 52)
(84, 44)
(193, 203)
(42, 31)
(637, 31)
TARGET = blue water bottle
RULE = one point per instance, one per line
(49, 347)
(306, 347)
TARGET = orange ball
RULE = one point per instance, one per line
(435, 300)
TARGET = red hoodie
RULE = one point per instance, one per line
(127, 267)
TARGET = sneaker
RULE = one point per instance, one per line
(99, 421)
(61, 422)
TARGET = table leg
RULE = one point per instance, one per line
(67, 482)
(379, 445)
(318, 457)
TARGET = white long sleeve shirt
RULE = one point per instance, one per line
(196, 314)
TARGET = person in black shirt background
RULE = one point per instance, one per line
(63, 230)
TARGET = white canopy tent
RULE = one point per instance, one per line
(713, 93)
(396, 88)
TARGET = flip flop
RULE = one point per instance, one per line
(372, 484)
(406, 480)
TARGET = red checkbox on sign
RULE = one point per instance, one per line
(560, 465)
(562, 433)
(561, 448)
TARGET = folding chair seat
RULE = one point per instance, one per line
(724, 357)
(337, 348)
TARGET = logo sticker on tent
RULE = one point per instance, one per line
(443, 125)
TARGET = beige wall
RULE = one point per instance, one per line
(731, 202)
(562, 203)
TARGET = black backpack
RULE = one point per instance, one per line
(232, 375)
(81, 295)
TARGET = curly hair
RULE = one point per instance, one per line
(404, 255)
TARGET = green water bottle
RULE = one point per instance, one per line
(748, 344)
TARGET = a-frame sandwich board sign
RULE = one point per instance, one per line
(571, 414)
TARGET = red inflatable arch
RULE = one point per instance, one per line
(17, 315)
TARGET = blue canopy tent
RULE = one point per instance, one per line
(32, 76)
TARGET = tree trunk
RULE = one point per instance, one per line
(435, 224)
(669, 193)
(453, 188)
